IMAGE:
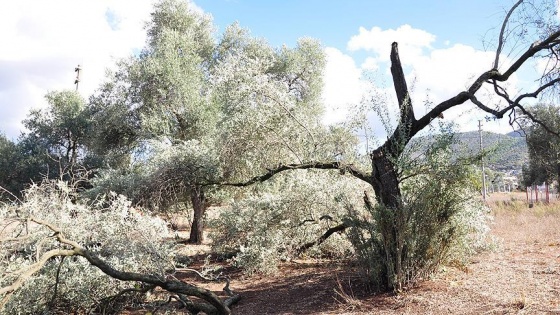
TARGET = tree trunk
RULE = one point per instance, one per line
(199, 208)
(392, 221)
(385, 182)
(384, 179)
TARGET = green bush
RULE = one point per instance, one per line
(273, 222)
(441, 219)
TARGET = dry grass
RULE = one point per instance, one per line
(345, 296)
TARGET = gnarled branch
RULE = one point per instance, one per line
(215, 304)
(349, 168)
(321, 239)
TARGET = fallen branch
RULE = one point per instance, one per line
(213, 304)
(320, 240)
(30, 270)
(106, 301)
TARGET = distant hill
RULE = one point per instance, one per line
(505, 152)
(516, 134)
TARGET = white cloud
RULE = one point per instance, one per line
(371, 64)
(45, 40)
(343, 86)
(412, 42)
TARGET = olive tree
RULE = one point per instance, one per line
(62, 128)
(543, 146)
(242, 103)
(161, 95)
(55, 145)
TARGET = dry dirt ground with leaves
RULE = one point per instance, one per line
(519, 274)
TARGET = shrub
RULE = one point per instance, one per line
(124, 237)
(441, 219)
(295, 208)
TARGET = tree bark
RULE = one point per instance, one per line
(199, 208)
(385, 184)
(385, 181)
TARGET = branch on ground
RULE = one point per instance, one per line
(212, 303)
(339, 228)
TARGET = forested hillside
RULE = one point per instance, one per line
(505, 152)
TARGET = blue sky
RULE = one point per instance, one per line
(335, 22)
(437, 39)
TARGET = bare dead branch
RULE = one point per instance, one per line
(534, 119)
(502, 30)
(485, 108)
(538, 91)
(517, 104)
(399, 81)
(551, 40)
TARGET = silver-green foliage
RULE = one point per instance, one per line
(269, 101)
(121, 235)
(165, 176)
(441, 220)
(272, 223)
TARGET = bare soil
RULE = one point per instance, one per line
(520, 274)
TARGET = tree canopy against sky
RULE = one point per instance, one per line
(200, 112)
(49, 40)
(543, 146)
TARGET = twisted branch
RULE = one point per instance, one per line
(213, 305)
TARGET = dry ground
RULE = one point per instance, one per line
(520, 275)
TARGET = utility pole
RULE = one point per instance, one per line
(482, 162)
(77, 81)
